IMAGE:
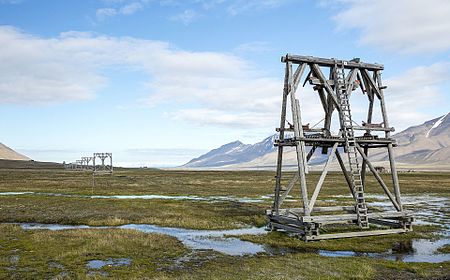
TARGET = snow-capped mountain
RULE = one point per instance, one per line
(428, 143)
(233, 153)
(424, 144)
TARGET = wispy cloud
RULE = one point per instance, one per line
(186, 17)
(254, 47)
(11, 1)
(205, 88)
(237, 7)
(409, 94)
(105, 13)
(221, 88)
(36, 70)
(230, 7)
(131, 8)
(190, 9)
(402, 26)
(120, 7)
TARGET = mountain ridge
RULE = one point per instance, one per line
(6, 153)
(427, 143)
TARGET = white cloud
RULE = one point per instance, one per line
(208, 4)
(186, 17)
(224, 118)
(38, 70)
(205, 85)
(118, 7)
(236, 7)
(131, 8)
(241, 6)
(410, 94)
(205, 88)
(254, 47)
(104, 13)
(404, 26)
(10, 1)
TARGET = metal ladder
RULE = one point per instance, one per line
(350, 147)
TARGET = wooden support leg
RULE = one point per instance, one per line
(300, 147)
(276, 203)
(378, 177)
(394, 175)
(322, 177)
(346, 175)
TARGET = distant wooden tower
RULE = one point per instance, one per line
(102, 168)
(334, 92)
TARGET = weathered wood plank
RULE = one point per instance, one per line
(322, 177)
(275, 205)
(294, 179)
(355, 234)
(315, 68)
(298, 132)
(297, 59)
(378, 177)
(391, 156)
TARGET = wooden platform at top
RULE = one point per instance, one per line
(349, 64)
(320, 140)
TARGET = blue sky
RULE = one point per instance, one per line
(159, 82)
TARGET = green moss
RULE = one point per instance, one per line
(166, 182)
(96, 212)
(311, 266)
(445, 249)
(356, 244)
(42, 254)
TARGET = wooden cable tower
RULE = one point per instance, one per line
(334, 92)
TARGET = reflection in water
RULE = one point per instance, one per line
(97, 264)
(419, 250)
(195, 239)
(145, 196)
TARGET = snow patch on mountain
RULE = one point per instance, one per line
(436, 124)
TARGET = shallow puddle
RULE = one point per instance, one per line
(98, 264)
(15, 193)
(195, 239)
(428, 209)
(148, 196)
(420, 250)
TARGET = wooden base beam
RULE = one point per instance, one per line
(355, 234)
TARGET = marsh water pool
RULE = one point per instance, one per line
(223, 241)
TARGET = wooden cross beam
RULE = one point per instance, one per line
(350, 64)
(378, 177)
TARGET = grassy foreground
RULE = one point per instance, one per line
(204, 183)
(41, 254)
(104, 212)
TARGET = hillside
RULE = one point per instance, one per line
(233, 153)
(424, 144)
(7, 153)
(28, 164)
(428, 143)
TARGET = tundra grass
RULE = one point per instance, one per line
(33, 245)
(202, 183)
(43, 254)
(311, 266)
(445, 249)
(369, 244)
(103, 212)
